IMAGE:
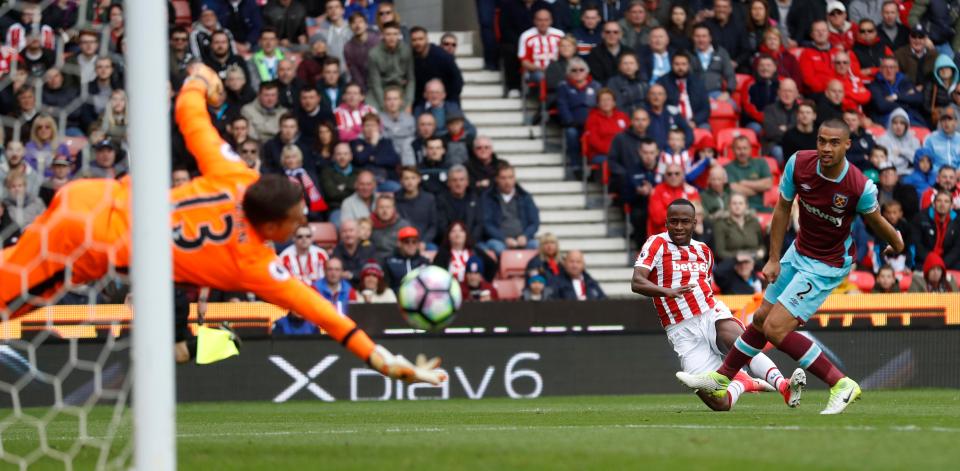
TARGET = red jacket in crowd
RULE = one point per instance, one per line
(855, 92)
(661, 197)
(600, 129)
(816, 69)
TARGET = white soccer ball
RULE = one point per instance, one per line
(429, 297)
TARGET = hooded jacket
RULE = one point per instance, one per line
(946, 149)
(920, 283)
(600, 129)
(919, 179)
(938, 93)
(900, 150)
(23, 212)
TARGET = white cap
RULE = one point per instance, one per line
(835, 5)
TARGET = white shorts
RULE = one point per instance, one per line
(695, 340)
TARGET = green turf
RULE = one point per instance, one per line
(887, 430)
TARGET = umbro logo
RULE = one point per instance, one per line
(805, 187)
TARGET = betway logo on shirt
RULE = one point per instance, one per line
(836, 221)
(690, 266)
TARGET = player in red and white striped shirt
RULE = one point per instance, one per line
(540, 45)
(677, 272)
(304, 260)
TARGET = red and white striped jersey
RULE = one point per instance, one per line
(673, 266)
(350, 122)
(308, 268)
(683, 159)
(18, 33)
(541, 49)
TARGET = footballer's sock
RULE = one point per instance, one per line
(749, 384)
(810, 357)
(763, 367)
(192, 347)
(749, 345)
(735, 389)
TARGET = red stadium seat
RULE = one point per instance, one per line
(181, 11)
(876, 130)
(796, 51)
(513, 263)
(905, 278)
(725, 140)
(743, 83)
(921, 133)
(722, 116)
(699, 134)
(324, 234)
(765, 219)
(509, 289)
(76, 144)
(863, 280)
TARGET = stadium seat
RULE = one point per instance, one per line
(181, 11)
(876, 130)
(722, 116)
(796, 51)
(955, 274)
(743, 83)
(765, 219)
(921, 133)
(700, 134)
(862, 279)
(725, 140)
(324, 234)
(513, 263)
(76, 144)
(905, 278)
(509, 289)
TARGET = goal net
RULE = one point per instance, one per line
(71, 351)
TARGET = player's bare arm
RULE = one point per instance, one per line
(882, 228)
(642, 285)
(778, 230)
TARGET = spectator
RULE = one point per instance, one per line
(432, 62)
(265, 63)
(511, 218)
(890, 188)
(762, 90)
(516, 16)
(900, 141)
(391, 63)
(802, 18)
(758, 21)
(200, 37)
(662, 118)
(842, 32)
(657, 57)
(738, 231)
(556, 72)
(830, 103)
(373, 152)
(398, 125)
(575, 98)
(603, 59)
(937, 230)
(940, 19)
(334, 29)
(113, 121)
(338, 179)
(436, 103)
(21, 206)
(892, 32)
(43, 144)
(417, 207)
(713, 64)
(31, 24)
(290, 85)
(567, 14)
(105, 163)
(940, 90)
(869, 49)
(922, 176)
(715, 198)
(676, 153)
(357, 49)
(788, 65)
(239, 93)
(15, 163)
(386, 13)
(458, 139)
(373, 286)
(945, 141)
(387, 224)
(539, 46)
(349, 115)
(483, 163)
(946, 183)
(433, 167)
(250, 154)
(334, 287)
(302, 258)
(310, 69)
(861, 141)
(104, 83)
(663, 194)
(80, 67)
(36, 60)
(934, 278)
(629, 87)
(327, 141)
(474, 287)
(636, 25)
(891, 89)
(816, 61)
(861, 10)
(727, 30)
(536, 289)
(802, 135)
(588, 34)
(60, 176)
(331, 87)
(288, 18)
(292, 325)
(264, 113)
(574, 283)
(405, 258)
(57, 93)
(886, 281)
(61, 15)
(426, 129)
(353, 251)
(310, 113)
(547, 261)
(625, 148)
(289, 134)
(738, 275)
(678, 27)
(641, 179)
(180, 55)
(291, 161)
(241, 17)
(460, 203)
(360, 203)
(603, 124)
(179, 177)
(486, 15)
(222, 58)
(457, 249)
(917, 58)
(686, 92)
(855, 93)
(749, 176)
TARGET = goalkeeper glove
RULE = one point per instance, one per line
(398, 367)
(215, 91)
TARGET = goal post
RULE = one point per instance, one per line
(152, 356)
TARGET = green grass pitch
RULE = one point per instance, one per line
(917, 430)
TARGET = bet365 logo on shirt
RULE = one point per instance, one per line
(690, 266)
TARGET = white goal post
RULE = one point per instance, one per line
(152, 356)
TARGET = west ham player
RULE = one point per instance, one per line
(676, 271)
(831, 193)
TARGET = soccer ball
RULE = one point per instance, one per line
(429, 297)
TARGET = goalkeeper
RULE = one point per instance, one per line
(221, 222)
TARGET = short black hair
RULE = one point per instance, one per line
(835, 123)
(390, 25)
(682, 202)
(270, 198)
(269, 84)
(418, 29)
(946, 167)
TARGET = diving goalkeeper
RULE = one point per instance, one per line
(221, 222)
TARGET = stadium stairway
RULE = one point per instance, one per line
(577, 219)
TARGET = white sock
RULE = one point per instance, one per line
(761, 366)
(734, 390)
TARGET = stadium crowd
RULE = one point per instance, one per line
(699, 99)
